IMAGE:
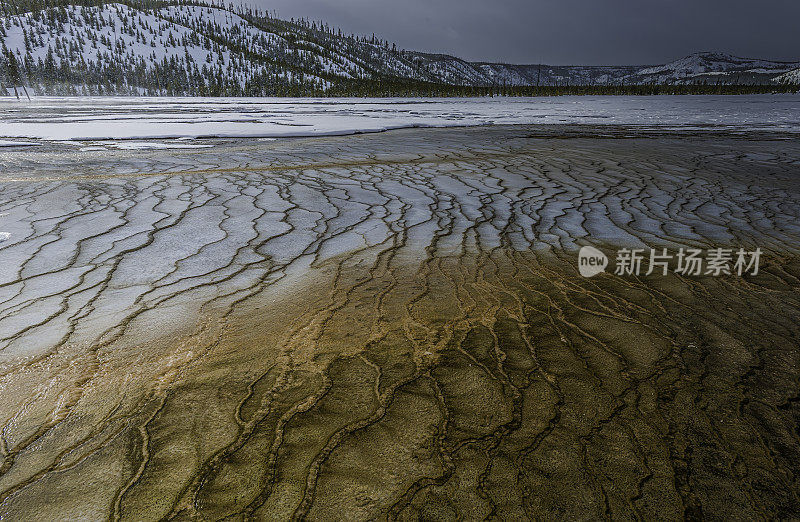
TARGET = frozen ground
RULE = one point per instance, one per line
(160, 118)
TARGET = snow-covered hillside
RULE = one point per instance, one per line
(192, 49)
(791, 77)
(188, 47)
(714, 67)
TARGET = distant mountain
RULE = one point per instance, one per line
(194, 48)
(705, 67)
(712, 68)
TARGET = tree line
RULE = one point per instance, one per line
(256, 65)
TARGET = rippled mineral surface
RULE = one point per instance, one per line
(393, 326)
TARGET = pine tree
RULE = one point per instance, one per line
(13, 73)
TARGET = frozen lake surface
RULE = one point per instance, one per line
(119, 118)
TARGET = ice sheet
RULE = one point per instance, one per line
(7, 143)
(122, 118)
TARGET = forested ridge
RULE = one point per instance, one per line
(211, 48)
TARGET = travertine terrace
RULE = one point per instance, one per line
(393, 326)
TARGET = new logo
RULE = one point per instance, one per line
(591, 261)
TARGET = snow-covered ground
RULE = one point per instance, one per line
(85, 119)
(16, 143)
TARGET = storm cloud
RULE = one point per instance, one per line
(584, 32)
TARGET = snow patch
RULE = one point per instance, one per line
(6, 143)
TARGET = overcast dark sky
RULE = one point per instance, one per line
(585, 32)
